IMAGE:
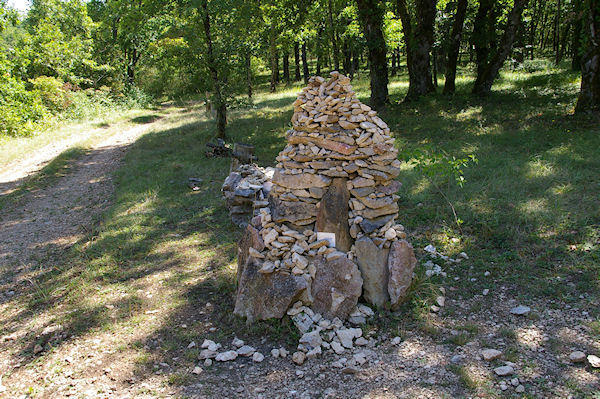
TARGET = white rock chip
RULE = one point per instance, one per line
(490, 354)
(246, 350)
(504, 371)
(520, 310)
(298, 357)
(226, 356)
(197, 370)
(594, 361)
(258, 357)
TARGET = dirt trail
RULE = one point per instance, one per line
(50, 219)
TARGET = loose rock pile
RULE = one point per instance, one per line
(245, 190)
(329, 233)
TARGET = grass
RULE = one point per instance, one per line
(164, 256)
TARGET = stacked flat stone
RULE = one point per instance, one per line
(334, 177)
(245, 191)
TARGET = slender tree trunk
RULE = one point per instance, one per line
(483, 83)
(454, 47)
(533, 27)
(220, 104)
(394, 66)
(248, 74)
(274, 61)
(333, 34)
(576, 39)
(419, 41)
(481, 34)
(286, 67)
(556, 43)
(305, 64)
(560, 51)
(296, 61)
(355, 62)
(370, 13)
(589, 95)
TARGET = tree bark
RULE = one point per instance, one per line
(286, 67)
(336, 59)
(248, 74)
(220, 104)
(419, 41)
(454, 47)
(589, 95)
(576, 40)
(370, 13)
(556, 39)
(274, 62)
(296, 61)
(305, 64)
(485, 78)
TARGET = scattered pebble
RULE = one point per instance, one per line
(594, 361)
(577, 357)
(258, 357)
(197, 370)
(396, 340)
(520, 310)
(490, 354)
(485, 292)
(298, 357)
(503, 371)
(520, 389)
(226, 356)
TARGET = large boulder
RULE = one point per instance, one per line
(372, 262)
(250, 239)
(333, 214)
(401, 264)
(263, 296)
(336, 287)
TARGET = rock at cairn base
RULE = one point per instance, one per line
(336, 287)
(372, 262)
(401, 264)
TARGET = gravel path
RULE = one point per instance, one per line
(48, 220)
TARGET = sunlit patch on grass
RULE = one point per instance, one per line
(540, 168)
(469, 113)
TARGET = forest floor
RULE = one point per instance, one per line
(110, 266)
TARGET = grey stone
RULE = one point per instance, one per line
(332, 216)
(401, 264)
(370, 225)
(336, 287)
(264, 296)
(520, 310)
(490, 354)
(577, 357)
(292, 211)
(504, 371)
(250, 239)
(299, 181)
(372, 263)
(594, 361)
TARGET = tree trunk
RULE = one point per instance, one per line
(248, 74)
(296, 61)
(305, 64)
(355, 62)
(370, 13)
(336, 60)
(286, 67)
(274, 62)
(419, 41)
(484, 81)
(556, 42)
(394, 66)
(454, 47)
(589, 95)
(220, 104)
(576, 39)
(481, 34)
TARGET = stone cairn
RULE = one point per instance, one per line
(245, 191)
(329, 233)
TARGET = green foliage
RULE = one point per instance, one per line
(50, 91)
(19, 108)
(439, 166)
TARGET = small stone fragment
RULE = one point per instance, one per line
(490, 354)
(503, 371)
(577, 357)
(197, 370)
(226, 356)
(520, 310)
(258, 357)
(299, 357)
(594, 361)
